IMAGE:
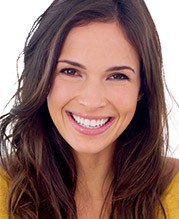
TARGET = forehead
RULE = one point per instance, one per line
(99, 42)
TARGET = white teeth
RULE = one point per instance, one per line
(86, 122)
(93, 123)
(90, 123)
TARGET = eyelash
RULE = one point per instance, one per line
(74, 73)
(119, 76)
(66, 72)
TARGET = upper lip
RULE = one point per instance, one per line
(87, 116)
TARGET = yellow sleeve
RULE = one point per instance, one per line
(3, 196)
(170, 199)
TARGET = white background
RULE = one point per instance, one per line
(17, 17)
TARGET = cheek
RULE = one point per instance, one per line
(124, 100)
(60, 94)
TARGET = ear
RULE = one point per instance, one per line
(140, 96)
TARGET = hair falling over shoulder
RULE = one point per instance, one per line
(37, 159)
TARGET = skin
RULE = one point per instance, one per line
(93, 90)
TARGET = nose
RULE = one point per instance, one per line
(92, 96)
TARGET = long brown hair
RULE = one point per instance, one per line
(39, 161)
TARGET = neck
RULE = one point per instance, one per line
(93, 181)
(94, 173)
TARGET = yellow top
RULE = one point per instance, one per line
(3, 195)
(170, 198)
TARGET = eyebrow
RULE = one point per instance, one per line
(114, 68)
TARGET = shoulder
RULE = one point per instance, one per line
(172, 165)
(170, 197)
(3, 193)
(3, 182)
(176, 162)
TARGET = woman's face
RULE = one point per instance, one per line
(94, 94)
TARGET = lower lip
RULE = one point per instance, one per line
(90, 131)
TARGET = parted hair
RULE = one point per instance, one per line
(40, 163)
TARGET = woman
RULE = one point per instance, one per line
(88, 130)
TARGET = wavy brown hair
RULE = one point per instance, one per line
(39, 161)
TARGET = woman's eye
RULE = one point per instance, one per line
(118, 76)
(69, 71)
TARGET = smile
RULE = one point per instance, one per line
(90, 125)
